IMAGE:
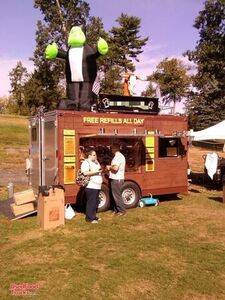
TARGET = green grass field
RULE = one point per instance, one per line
(13, 140)
(13, 149)
(173, 251)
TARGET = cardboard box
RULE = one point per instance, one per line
(21, 209)
(51, 209)
(24, 197)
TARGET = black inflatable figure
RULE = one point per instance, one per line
(81, 66)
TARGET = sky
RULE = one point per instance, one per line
(167, 23)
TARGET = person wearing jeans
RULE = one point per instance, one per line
(92, 168)
(116, 179)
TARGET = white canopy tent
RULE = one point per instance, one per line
(216, 132)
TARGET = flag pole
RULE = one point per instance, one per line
(61, 18)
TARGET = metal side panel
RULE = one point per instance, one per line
(49, 160)
(35, 175)
(43, 146)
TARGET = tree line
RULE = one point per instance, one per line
(203, 89)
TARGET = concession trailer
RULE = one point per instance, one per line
(154, 145)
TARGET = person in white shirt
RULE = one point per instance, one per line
(116, 179)
(92, 168)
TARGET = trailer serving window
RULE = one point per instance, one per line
(169, 146)
(132, 148)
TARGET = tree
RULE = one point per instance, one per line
(18, 77)
(207, 104)
(150, 90)
(4, 100)
(60, 18)
(172, 77)
(112, 83)
(125, 46)
(94, 30)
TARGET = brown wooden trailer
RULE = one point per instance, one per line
(155, 147)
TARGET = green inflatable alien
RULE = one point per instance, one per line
(81, 66)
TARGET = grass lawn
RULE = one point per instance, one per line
(173, 251)
(13, 140)
(13, 150)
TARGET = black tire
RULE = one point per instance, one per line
(131, 194)
(104, 200)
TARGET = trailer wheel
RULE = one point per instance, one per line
(131, 194)
(104, 201)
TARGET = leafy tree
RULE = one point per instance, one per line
(94, 30)
(18, 76)
(150, 91)
(61, 18)
(207, 104)
(125, 46)
(112, 83)
(4, 100)
(174, 82)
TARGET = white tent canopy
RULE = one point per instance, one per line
(216, 132)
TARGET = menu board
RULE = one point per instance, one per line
(69, 144)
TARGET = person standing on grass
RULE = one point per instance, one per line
(92, 168)
(116, 179)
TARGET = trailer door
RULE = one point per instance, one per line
(35, 173)
(49, 149)
(43, 143)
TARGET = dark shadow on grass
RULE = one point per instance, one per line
(170, 197)
(80, 204)
(204, 180)
(194, 191)
(218, 199)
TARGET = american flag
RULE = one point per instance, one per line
(97, 83)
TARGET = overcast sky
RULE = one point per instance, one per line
(167, 23)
